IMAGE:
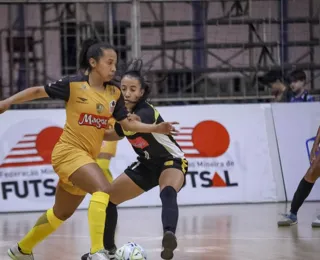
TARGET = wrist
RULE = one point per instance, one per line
(9, 100)
(154, 128)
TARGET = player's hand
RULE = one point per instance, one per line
(133, 117)
(4, 106)
(167, 128)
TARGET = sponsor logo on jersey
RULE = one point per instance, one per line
(139, 143)
(93, 120)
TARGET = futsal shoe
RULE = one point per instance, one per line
(169, 244)
(316, 223)
(111, 254)
(288, 220)
(15, 253)
(100, 255)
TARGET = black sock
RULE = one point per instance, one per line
(110, 228)
(170, 212)
(300, 195)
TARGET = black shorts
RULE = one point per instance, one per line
(146, 174)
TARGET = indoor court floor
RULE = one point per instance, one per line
(228, 232)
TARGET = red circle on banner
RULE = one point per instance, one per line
(210, 138)
(46, 140)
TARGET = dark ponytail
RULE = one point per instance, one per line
(91, 48)
(83, 61)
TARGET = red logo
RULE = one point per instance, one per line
(93, 120)
(33, 149)
(139, 142)
(206, 139)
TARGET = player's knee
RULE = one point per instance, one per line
(173, 178)
(116, 198)
(104, 188)
(168, 192)
(62, 213)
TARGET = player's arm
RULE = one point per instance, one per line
(59, 89)
(138, 127)
(23, 96)
(28, 95)
(116, 133)
(121, 115)
(112, 135)
(106, 156)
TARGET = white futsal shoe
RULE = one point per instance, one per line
(15, 254)
(316, 222)
(100, 255)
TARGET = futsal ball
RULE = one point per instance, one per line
(131, 251)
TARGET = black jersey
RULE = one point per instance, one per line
(150, 146)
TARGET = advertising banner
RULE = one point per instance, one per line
(227, 148)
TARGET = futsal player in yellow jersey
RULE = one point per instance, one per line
(91, 101)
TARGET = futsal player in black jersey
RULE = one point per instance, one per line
(160, 162)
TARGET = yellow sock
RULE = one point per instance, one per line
(45, 225)
(97, 217)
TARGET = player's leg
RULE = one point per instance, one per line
(65, 205)
(312, 179)
(91, 179)
(171, 180)
(125, 187)
(111, 212)
(302, 192)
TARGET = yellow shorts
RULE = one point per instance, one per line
(66, 160)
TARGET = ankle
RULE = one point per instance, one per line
(111, 248)
(24, 252)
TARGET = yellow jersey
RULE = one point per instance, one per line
(88, 111)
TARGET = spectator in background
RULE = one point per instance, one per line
(275, 80)
(298, 86)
